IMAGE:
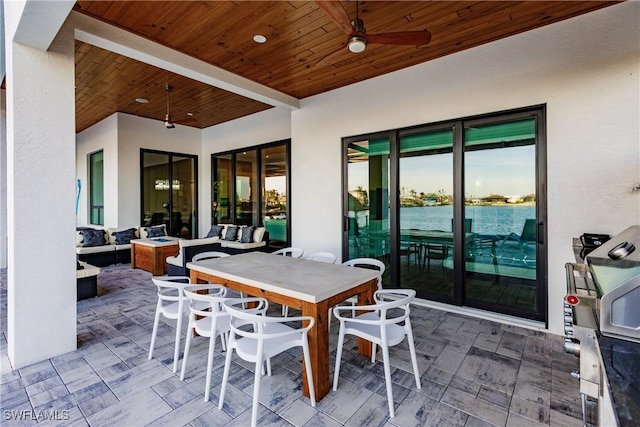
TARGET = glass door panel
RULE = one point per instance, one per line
(247, 188)
(155, 188)
(274, 200)
(426, 240)
(500, 203)
(222, 189)
(184, 196)
(368, 210)
(168, 192)
(96, 188)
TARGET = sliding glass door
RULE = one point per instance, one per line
(501, 202)
(426, 244)
(168, 191)
(368, 210)
(250, 187)
(456, 210)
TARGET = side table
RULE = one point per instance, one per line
(87, 281)
(151, 254)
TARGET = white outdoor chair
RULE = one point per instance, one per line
(267, 337)
(322, 257)
(211, 255)
(371, 263)
(172, 304)
(382, 327)
(292, 252)
(208, 255)
(207, 318)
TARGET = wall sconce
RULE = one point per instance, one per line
(163, 184)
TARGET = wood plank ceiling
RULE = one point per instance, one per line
(299, 34)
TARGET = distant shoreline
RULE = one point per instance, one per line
(480, 205)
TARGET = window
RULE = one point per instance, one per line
(169, 189)
(96, 188)
(455, 209)
(250, 187)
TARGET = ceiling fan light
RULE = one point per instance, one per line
(357, 44)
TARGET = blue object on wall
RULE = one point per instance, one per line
(79, 185)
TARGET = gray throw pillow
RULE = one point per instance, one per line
(124, 237)
(92, 237)
(231, 234)
(247, 234)
(216, 231)
(155, 231)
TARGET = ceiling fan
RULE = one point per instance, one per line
(357, 35)
(169, 122)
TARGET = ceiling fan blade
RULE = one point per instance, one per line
(337, 13)
(401, 38)
(330, 58)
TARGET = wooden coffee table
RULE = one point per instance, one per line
(151, 254)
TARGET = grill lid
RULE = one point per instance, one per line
(615, 261)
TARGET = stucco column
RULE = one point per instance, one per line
(41, 184)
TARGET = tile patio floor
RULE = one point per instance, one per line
(474, 373)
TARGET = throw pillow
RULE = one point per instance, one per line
(93, 237)
(155, 231)
(232, 232)
(124, 237)
(247, 234)
(215, 231)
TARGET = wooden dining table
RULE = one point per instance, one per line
(309, 286)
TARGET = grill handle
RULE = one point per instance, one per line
(570, 267)
(587, 297)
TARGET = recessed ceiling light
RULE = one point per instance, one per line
(259, 38)
(142, 100)
(189, 113)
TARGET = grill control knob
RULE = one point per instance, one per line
(568, 320)
(568, 329)
(571, 347)
(575, 374)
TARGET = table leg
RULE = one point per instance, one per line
(318, 349)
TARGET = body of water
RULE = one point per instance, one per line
(502, 219)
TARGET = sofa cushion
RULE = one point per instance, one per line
(215, 231)
(258, 234)
(175, 260)
(123, 237)
(231, 233)
(197, 242)
(238, 245)
(156, 231)
(93, 237)
(247, 234)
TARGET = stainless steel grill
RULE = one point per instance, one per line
(603, 301)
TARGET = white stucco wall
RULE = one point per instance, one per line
(102, 136)
(41, 294)
(3, 179)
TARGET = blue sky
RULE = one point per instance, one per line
(505, 171)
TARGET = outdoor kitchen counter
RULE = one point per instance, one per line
(622, 364)
(621, 359)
